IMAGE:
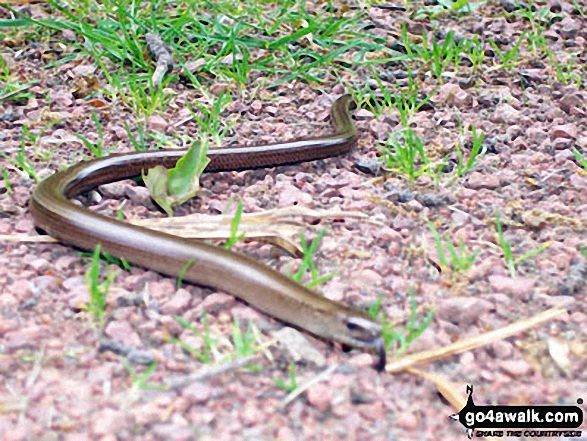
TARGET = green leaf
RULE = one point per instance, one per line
(14, 23)
(156, 182)
(580, 158)
(459, 4)
(183, 183)
(170, 188)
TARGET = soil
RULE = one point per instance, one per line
(66, 378)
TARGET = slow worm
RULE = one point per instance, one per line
(241, 276)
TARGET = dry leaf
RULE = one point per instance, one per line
(473, 342)
(559, 352)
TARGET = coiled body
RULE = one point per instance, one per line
(237, 274)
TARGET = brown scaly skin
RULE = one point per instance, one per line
(243, 277)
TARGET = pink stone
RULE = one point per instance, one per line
(450, 94)
(72, 283)
(407, 420)
(564, 131)
(286, 434)
(372, 411)
(388, 234)
(155, 122)
(363, 114)
(214, 301)
(370, 277)
(24, 226)
(561, 301)
(478, 181)
(77, 436)
(21, 288)
(463, 311)
(518, 286)
(197, 392)
(108, 422)
(5, 226)
(291, 195)
(506, 114)
(502, 349)
(25, 337)
(39, 265)
(177, 302)
(320, 396)
(249, 414)
(78, 297)
(172, 432)
(162, 289)
(66, 262)
(516, 368)
(121, 331)
(362, 360)
(335, 290)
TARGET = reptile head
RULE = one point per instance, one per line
(363, 332)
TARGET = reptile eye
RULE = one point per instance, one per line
(352, 326)
(362, 327)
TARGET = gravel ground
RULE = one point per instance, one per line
(63, 378)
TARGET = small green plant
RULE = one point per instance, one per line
(457, 260)
(445, 54)
(10, 88)
(113, 35)
(475, 52)
(29, 139)
(539, 19)
(144, 97)
(583, 250)
(140, 381)
(116, 261)
(6, 177)
(376, 101)
(476, 151)
(406, 101)
(210, 122)
(240, 67)
(580, 158)
(509, 57)
(308, 261)
(96, 149)
(183, 271)
(140, 145)
(399, 339)
(409, 102)
(110, 259)
(21, 161)
(461, 5)
(505, 245)
(444, 7)
(170, 188)
(579, 8)
(437, 56)
(98, 290)
(507, 248)
(568, 72)
(234, 236)
(292, 384)
(401, 151)
(244, 343)
(209, 343)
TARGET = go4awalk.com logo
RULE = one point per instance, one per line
(527, 421)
